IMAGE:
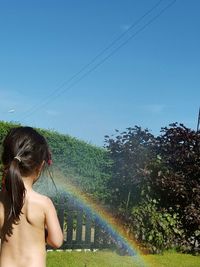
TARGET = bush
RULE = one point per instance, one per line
(130, 152)
(155, 229)
(174, 178)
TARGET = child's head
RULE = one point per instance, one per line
(25, 152)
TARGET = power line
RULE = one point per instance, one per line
(56, 93)
(31, 110)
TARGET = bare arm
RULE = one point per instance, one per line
(54, 232)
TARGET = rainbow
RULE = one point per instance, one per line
(109, 223)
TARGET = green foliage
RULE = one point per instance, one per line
(83, 164)
(175, 178)
(166, 169)
(130, 152)
(155, 229)
(153, 184)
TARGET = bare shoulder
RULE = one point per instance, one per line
(43, 199)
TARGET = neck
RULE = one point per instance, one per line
(28, 183)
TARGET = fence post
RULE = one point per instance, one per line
(60, 212)
(88, 226)
(69, 227)
(96, 234)
(79, 227)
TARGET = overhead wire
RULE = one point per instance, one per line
(60, 90)
(35, 107)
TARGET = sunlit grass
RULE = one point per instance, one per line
(110, 259)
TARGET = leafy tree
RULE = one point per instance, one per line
(130, 152)
(165, 169)
(175, 177)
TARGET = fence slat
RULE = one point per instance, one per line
(96, 234)
(88, 231)
(61, 216)
(69, 227)
(88, 225)
(79, 226)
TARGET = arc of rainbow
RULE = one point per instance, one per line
(106, 220)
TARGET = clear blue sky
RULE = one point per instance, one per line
(151, 81)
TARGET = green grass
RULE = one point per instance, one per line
(110, 259)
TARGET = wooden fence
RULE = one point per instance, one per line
(81, 228)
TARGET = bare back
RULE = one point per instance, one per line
(26, 244)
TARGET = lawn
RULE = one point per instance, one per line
(111, 259)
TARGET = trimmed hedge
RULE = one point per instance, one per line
(84, 164)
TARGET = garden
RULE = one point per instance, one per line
(150, 185)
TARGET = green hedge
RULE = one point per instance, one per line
(84, 164)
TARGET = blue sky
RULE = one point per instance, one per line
(151, 81)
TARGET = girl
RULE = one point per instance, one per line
(24, 214)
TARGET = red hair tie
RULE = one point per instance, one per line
(49, 162)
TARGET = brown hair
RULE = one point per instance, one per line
(24, 150)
